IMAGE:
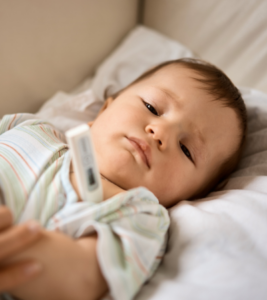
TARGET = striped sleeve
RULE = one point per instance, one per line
(31, 154)
(10, 121)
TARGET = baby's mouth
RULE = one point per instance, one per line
(142, 148)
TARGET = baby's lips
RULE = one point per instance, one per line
(145, 148)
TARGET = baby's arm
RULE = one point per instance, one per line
(71, 269)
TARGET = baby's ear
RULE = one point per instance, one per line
(106, 104)
(104, 107)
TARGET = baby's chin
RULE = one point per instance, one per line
(168, 202)
(120, 180)
(120, 171)
(128, 182)
(128, 185)
(170, 197)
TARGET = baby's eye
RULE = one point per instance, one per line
(186, 151)
(151, 108)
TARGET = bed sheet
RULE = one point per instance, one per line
(218, 245)
(67, 110)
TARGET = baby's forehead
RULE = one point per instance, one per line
(171, 75)
(175, 80)
(168, 70)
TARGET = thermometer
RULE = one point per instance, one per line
(84, 163)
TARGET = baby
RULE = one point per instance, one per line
(178, 130)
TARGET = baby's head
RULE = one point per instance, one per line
(178, 130)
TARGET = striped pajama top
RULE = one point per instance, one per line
(34, 183)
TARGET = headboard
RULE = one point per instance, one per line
(48, 46)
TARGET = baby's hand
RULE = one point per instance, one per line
(110, 189)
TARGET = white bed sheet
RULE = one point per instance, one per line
(218, 245)
(66, 111)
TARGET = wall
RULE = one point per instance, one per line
(230, 34)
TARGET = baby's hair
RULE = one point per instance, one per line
(217, 84)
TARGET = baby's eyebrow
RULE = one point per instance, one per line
(171, 95)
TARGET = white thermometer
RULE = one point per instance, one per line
(84, 163)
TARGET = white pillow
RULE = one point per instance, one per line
(142, 49)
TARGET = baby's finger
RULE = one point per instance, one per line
(16, 238)
(17, 274)
(5, 218)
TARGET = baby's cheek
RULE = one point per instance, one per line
(169, 183)
(118, 166)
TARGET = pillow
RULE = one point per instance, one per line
(141, 50)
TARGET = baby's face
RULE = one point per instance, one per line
(164, 133)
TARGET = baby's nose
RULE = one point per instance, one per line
(154, 135)
(159, 134)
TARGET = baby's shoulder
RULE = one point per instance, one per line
(27, 120)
